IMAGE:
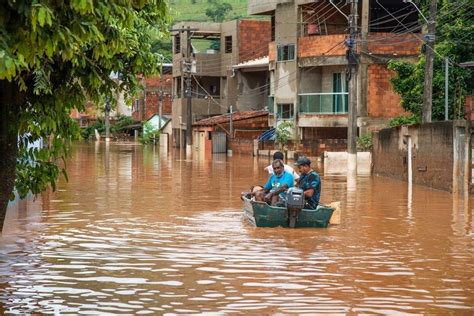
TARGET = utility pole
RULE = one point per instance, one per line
(352, 62)
(429, 60)
(107, 119)
(230, 124)
(187, 72)
(160, 98)
(446, 88)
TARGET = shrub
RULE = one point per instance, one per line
(364, 142)
(404, 120)
(284, 133)
(150, 133)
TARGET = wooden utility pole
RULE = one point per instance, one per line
(187, 72)
(429, 60)
(352, 62)
(107, 119)
(160, 97)
(189, 92)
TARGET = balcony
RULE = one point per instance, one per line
(323, 45)
(324, 103)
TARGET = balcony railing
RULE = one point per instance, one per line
(324, 103)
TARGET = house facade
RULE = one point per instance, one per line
(215, 84)
(156, 89)
(308, 65)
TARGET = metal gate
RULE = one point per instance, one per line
(219, 142)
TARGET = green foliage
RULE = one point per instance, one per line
(88, 131)
(120, 122)
(364, 142)
(455, 40)
(150, 134)
(61, 54)
(405, 120)
(284, 132)
(217, 10)
(182, 10)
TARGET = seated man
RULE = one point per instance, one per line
(274, 191)
(289, 169)
(310, 182)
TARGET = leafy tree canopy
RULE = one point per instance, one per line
(217, 10)
(455, 40)
(53, 56)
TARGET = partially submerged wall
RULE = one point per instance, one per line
(430, 149)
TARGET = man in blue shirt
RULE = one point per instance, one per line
(274, 191)
(310, 182)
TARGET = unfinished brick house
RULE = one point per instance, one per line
(307, 63)
(217, 134)
(216, 85)
(147, 103)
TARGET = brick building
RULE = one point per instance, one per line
(217, 134)
(147, 103)
(308, 65)
(215, 84)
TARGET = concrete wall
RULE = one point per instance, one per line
(310, 80)
(336, 162)
(432, 153)
(229, 28)
(249, 97)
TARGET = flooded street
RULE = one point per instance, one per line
(136, 232)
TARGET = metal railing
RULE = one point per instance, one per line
(324, 103)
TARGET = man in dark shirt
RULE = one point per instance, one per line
(310, 182)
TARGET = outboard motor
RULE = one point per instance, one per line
(294, 204)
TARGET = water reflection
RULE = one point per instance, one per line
(137, 232)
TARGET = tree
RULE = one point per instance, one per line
(455, 40)
(55, 55)
(217, 11)
(284, 133)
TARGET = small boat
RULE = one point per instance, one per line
(263, 215)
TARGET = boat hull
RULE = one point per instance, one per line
(263, 215)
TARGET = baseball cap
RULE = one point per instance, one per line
(302, 161)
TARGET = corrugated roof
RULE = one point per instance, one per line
(259, 62)
(224, 118)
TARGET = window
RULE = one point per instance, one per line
(228, 44)
(177, 43)
(286, 52)
(340, 96)
(285, 111)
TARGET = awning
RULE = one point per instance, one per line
(254, 63)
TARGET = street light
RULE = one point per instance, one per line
(417, 9)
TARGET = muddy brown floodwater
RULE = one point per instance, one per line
(136, 232)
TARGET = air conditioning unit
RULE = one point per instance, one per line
(313, 29)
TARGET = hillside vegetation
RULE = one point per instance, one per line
(195, 10)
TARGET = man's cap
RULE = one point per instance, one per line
(302, 161)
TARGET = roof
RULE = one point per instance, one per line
(259, 62)
(224, 118)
